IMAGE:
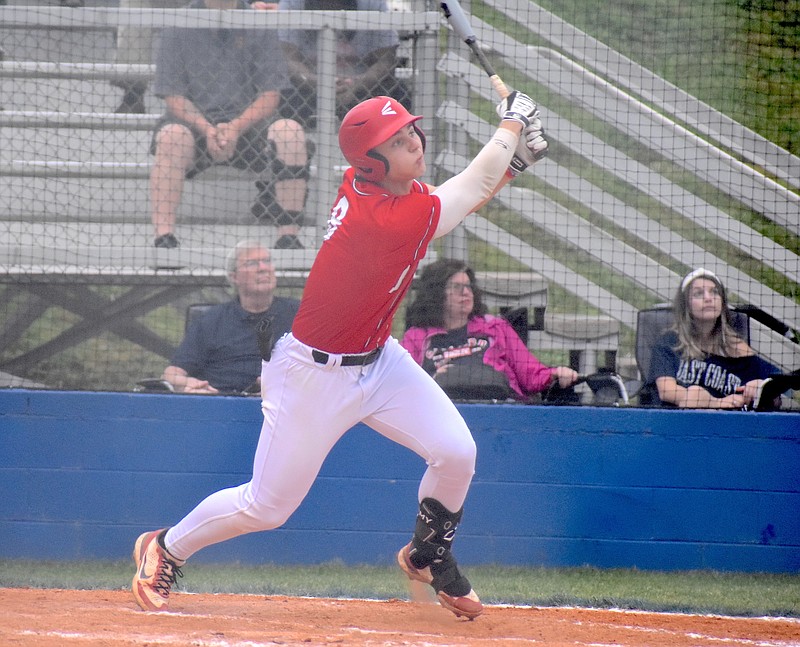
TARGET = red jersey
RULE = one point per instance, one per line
(373, 245)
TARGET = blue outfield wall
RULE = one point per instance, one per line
(82, 474)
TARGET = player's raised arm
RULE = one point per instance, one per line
(504, 156)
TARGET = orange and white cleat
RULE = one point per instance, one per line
(156, 572)
(467, 605)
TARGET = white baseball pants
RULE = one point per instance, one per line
(307, 407)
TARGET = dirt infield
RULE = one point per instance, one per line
(111, 618)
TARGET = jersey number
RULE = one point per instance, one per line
(338, 214)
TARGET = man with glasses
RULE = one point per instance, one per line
(220, 352)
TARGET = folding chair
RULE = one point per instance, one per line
(606, 386)
(772, 388)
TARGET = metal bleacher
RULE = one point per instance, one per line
(96, 163)
(720, 152)
(74, 176)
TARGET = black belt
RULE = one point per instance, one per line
(348, 360)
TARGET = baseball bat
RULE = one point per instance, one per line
(458, 21)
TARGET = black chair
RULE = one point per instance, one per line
(653, 322)
(194, 311)
(767, 398)
(608, 388)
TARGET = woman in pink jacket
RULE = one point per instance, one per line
(471, 354)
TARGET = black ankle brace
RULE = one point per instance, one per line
(447, 577)
(434, 532)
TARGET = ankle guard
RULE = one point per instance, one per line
(447, 577)
(434, 532)
(430, 547)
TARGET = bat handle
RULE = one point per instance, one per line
(497, 82)
(499, 86)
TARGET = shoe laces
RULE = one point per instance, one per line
(168, 572)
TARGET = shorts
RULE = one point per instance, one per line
(254, 151)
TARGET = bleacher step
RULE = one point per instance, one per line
(113, 257)
(18, 235)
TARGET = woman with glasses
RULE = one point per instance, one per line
(470, 353)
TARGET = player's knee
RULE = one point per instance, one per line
(459, 458)
(466, 455)
(266, 515)
(289, 140)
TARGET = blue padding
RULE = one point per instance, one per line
(82, 474)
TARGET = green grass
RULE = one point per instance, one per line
(739, 57)
(737, 594)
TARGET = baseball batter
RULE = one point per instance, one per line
(339, 365)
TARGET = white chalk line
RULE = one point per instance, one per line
(200, 642)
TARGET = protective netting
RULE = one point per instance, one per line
(674, 132)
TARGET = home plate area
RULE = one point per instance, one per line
(44, 617)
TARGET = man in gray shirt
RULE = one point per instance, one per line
(222, 89)
(365, 62)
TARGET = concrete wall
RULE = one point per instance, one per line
(82, 474)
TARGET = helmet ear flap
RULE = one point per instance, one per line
(376, 173)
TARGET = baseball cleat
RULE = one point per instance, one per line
(156, 571)
(468, 605)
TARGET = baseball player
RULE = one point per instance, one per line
(339, 365)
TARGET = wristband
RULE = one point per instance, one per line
(516, 166)
(512, 115)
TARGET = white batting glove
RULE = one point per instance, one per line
(531, 147)
(518, 107)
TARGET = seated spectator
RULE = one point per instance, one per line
(467, 350)
(701, 362)
(220, 352)
(222, 90)
(365, 62)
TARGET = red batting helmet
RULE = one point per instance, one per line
(368, 125)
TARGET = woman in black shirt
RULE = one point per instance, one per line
(700, 362)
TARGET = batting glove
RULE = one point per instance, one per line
(518, 107)
(531, 148)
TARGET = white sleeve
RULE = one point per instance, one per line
(463, 192)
